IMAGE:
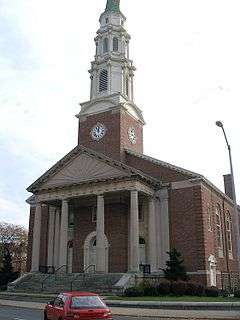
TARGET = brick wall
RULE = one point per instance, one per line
(116, 138)
(116, 230)
(212, 199)
(186, 227)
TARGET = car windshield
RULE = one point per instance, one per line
(93, 302)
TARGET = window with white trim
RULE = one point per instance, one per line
(103, 80)
(219, 230)
(229, 232)
(105, 45)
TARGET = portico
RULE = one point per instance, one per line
(121, 196)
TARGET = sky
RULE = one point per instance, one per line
(188, 76)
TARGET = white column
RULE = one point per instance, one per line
(56, 239)
(63, 235)
(100, 237)
(152, 236)
(36, 238)
(134, 233)
(51, 219)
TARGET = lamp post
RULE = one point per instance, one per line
(236, 214)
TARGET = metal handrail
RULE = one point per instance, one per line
(84, 273)
(49, 276)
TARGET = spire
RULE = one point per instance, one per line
(113, 6)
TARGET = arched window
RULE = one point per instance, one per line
(209, 217)
(229, 232)
(115, 44)
(105, 45)
(219, 229)
(103, 81)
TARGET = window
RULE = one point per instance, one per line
(219, 230)
(105, 45)
(229, 232)
(127, 86)
(60, 301)
(209, 217)
(71, 219)
(103, 81)
(87, 302)
(115, 44)
(94, 214)
(142, 241)
(106, 20)
(141, 213)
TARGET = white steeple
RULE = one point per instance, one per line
(112, 71)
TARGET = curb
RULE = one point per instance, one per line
(224, 306)
(123, 312)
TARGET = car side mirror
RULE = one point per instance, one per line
(51, 303)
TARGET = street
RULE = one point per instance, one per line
(11, 313)
(18, 313)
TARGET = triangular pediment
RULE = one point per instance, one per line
(83, 168)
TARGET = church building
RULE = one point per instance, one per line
(106, 207)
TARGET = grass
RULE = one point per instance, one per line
(176, 299)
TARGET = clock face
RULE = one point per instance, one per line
(98, 131)
(132, 135)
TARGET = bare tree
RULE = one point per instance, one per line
(13, 238)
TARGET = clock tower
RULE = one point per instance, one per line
(110, 122)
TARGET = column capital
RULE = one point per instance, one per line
(65, 200)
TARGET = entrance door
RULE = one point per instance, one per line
(142, 251)
(92, 254)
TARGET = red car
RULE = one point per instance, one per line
(77, 305)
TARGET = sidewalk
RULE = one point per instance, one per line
(141, 312)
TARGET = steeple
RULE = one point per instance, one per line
(113, 6)
(110, 122)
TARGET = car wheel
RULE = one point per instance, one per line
(45, 316)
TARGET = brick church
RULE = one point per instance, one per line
(108, 207)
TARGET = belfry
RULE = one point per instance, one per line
(107, 208)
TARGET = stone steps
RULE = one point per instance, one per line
(99, 283)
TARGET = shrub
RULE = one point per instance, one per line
(212, 292)
(134, 292)
(175, 269)
(164, 288)
(178, 288)
(237, 294)
(195, 289)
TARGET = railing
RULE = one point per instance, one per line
(50, 275)
(84, 274)
(230, 281)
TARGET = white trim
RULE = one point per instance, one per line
(86, 249)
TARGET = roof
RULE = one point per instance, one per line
(113, 6)
(192, 175)
(129, 171)
(79, 294)
(189, 173)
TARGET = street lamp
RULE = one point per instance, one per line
(236, 214)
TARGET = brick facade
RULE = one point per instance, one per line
(116, 230)
(116, 139)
